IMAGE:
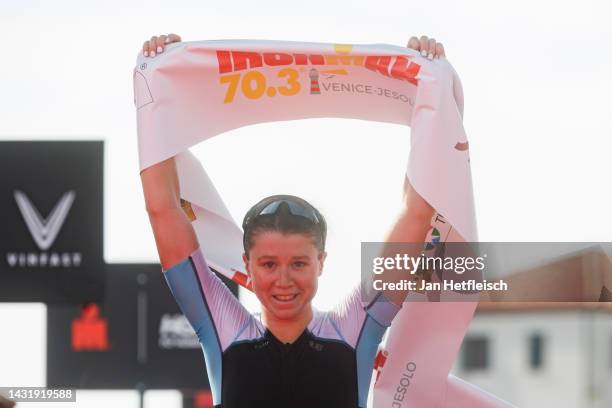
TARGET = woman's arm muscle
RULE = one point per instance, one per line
(411, 226)
(174, 234)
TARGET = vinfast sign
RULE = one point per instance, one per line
(51, 213)
(44, 231)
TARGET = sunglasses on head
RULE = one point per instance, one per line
(295, 206)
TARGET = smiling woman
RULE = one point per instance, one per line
(279, 357)
(290, 354)
(291, 347)
(284, 252)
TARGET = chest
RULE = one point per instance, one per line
(314, 372)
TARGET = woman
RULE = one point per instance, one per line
(290, 355)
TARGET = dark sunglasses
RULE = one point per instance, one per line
(295, 205)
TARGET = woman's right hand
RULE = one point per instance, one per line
(156, 44)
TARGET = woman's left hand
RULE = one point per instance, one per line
(427, 46)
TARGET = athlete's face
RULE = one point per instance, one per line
(284, 270)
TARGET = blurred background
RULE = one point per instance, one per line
(536, 79)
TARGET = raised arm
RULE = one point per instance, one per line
(411, 226)
(363, 325)
(212, 310)
(174, 234)
(413, 221)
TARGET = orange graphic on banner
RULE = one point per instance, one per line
(188, 210)
(255, 85)
(335, 72)
(89, 331)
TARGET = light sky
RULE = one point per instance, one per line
(537, 85)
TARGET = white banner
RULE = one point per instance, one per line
(196, 90)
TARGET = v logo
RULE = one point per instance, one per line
(44, 231)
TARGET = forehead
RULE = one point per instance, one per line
(274, 243)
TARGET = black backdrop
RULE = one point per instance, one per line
(43, 173)
(149, 341)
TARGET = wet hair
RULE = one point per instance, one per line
(285, 222)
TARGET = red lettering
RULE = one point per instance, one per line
(405, 69)
(378, 63)
(275, 59)
(314, 59)
(244, 60)
(225, 61)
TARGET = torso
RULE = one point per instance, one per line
(329, 365)
(310, 372)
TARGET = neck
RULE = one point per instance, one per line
(287, 330)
